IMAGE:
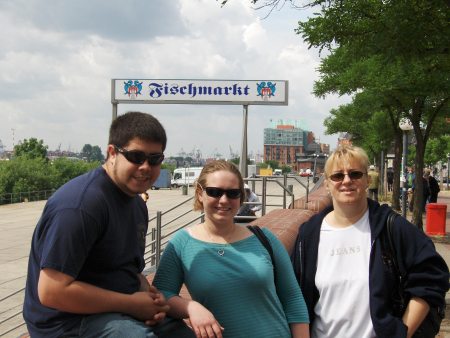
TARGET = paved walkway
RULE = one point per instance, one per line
(17, 222)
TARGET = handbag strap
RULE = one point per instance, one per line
(257, 231)
(387, 240)
(390, 237)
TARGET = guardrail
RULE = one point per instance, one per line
(157, 237)
(25, 196)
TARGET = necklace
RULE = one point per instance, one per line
(220, 251)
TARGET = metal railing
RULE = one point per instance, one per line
(157, 237)
(25, 196)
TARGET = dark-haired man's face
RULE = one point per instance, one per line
(133, 178)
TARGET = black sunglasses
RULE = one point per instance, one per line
(218, 192)
(139, 157)
(353, 175)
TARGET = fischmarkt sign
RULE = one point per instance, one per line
(239, 92)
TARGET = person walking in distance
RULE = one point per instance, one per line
(87, 252)
(374, 182)
(433, 186)
(390, 179)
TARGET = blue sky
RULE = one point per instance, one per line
(57, 59)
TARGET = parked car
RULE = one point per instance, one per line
(306, 173)
(277, 172)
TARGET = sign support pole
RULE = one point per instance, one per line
(114, 111)
(113, 100)
(243, 159)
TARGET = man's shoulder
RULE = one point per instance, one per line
(81, 190)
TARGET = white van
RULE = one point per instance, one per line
(277, 172)
(185, 176)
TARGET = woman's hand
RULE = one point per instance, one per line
(203, 322)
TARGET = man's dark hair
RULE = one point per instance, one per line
(136, 124)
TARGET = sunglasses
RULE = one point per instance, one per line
(139, 157)
(218, 192)
(353, 175)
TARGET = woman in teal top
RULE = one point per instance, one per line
(228, 272)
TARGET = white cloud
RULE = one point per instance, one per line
(57, 61)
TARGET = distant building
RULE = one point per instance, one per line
(344, 139)
(290, 145)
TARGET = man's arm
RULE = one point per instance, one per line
(60, 291)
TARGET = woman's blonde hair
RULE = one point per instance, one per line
(346, 154)
(211, 167)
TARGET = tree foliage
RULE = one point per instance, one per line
(25, 174)
(31, 148)
(171, 167)
(397, 53)
(394, 51)
(92, 153)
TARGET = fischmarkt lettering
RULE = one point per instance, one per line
(157, 90)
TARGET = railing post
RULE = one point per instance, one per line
(284, 190)
(158, 237)
(290, 188)
(153, 247)
(264, 197)
(307, 189)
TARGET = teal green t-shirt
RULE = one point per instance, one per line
(236, 283)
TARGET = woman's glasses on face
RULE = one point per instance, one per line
(139, 157)
(353, 175)
(218, 192)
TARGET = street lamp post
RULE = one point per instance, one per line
(315, 163)
(448, 167)
(308, 173)
(405, 125)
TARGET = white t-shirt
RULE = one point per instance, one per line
(342, 279)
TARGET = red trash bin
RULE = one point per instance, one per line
(436, 217)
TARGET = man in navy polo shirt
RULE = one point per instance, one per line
(87, 252)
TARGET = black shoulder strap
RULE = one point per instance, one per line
(396, 258)
(393, 260)
(265, 242)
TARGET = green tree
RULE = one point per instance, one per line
(286, 169)
(92, 153)
(24, 174)
(169, 166)
(396, 49)
(263, 165)
(273, 164)
(96, 155)
(65, 169)
(31, 148)
(86, 152)
(235, 160)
